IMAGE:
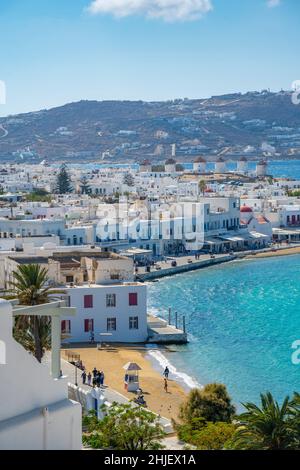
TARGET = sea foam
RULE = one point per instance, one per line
(181, 377)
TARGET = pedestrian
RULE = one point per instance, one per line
(166, 372)
(166, 385)
(89, 377)
(101, 378)
(83, 375)
(98, 379)
(95, 372)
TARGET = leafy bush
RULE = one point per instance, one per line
(212, 404)
(124, 427)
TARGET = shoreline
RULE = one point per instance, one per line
(153, 358)
(281, 251)
(159, 361)
(185, 266)
(112, 359)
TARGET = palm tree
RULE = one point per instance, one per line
(30, 288)
(269, 427)
(25, 336)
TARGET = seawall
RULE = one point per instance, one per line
(171, 271)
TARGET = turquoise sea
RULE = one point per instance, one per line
(280, 168)
(242, 319)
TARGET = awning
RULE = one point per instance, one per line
(278, 231)
(213, 241)
(232, 238)
(258, 235)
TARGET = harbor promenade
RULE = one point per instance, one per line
(183, 264)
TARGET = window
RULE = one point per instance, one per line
(133, 299)
(111, 324)
(88, 325)
(111, 300)
(69, 279)
(66, 327)
(115, 277)
(133, 323)
(88, 301)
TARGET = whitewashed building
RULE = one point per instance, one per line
(35, 412)
(111, 312)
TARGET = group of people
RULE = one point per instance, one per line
(94, 378)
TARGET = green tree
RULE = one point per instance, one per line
(128, 179)
(214, 436)
(202, 186)
(84, 186)
(24, 334)
(212, 404)
(63, 181)
(30, 288)
(38, 195)
(124, 427)
(268, 427)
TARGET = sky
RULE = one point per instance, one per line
(59, 51)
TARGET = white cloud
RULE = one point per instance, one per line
(168, 10)
(273, 3)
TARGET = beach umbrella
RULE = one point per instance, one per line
(132, 366)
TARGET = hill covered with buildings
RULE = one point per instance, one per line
(248, 124)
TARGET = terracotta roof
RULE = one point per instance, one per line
(245, 209)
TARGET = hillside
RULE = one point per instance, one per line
(121, 131)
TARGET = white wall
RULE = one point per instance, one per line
(26, 389)
(100, 312)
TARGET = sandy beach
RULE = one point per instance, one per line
(279, 252)
(112, 359)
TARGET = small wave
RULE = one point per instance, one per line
(189, 381)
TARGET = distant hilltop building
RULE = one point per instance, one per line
(220, 166)
(170, 165)
(242, 165)
(261, 169)
(199, 165)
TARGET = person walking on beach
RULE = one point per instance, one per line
(166, 372)
(98, 379)
(101, 378)
(166, 385)
(89, 377)
(83, 375)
